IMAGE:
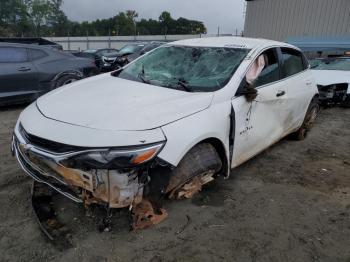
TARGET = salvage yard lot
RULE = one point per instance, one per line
(290, 203)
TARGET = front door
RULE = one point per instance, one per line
(260, 123)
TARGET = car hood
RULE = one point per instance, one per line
(329, 77)
(110, 103)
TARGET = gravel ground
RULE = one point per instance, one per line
(290, 203)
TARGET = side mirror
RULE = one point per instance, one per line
(247, 90)
(250, 92)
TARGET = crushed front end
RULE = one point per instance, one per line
(114, 177)
(335, 94)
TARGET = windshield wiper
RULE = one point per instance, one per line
(141, 76)
(117, 72)
(184, 84)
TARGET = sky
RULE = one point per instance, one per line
(227, 14)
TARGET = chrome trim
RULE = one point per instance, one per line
(32, 170)
(32, 175)
(58, 157)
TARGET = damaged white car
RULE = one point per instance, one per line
(166, 124)
(332, 77)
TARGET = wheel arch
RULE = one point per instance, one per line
(220, 148)
(316, 96)
(68, 72)
(222, 152)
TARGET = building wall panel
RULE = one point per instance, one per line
(280, 19)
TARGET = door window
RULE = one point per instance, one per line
(270, 73)
(293, 62)
(13, 55)
(36, 54)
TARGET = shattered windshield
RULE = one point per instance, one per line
(192, 69)
(331, 64)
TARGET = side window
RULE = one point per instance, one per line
(270, 73)
(13, 55)
(35, 54)
(293, 62)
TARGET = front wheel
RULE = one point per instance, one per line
(310, 118)
(197, 168)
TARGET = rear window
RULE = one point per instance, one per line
(293, 62)
(13, 55)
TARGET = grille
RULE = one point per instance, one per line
(48, 145)
(51, 181)
(109, 60)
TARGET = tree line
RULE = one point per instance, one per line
(29, 18)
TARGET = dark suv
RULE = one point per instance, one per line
(96, 54)
(28, 71)
(128, 53)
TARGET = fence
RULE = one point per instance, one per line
(92, 42)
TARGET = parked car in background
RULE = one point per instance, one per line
(97, 54)
(28, 71)
(128, 53)
(32, 41)
(167, 123)
(333, 80)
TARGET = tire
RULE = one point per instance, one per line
(66, 79)
(310, 117)
(197, 168)
(346, 102)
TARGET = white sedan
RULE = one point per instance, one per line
(332, 77)
(167, 123)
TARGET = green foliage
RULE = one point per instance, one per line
(46, 18)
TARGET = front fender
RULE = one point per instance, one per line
(185, 133)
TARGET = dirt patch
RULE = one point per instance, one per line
(290, 203)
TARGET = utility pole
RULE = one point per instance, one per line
(87, 40)
(68, 41)
(109, 37)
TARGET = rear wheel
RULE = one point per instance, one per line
(197, 168)
(66, 79)
(309, 120)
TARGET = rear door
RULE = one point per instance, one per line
(260, 123)
(18, 76)
(299, 87)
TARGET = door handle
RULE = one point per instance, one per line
(24, 69)
(280, 93)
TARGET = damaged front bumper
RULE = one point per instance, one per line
(113, 188)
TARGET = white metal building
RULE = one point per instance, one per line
(282, 19)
